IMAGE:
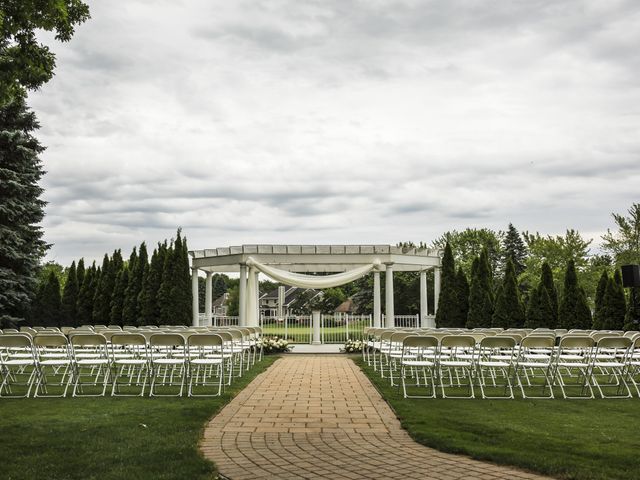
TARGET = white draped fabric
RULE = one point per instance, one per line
(295, 280)
(312, 281)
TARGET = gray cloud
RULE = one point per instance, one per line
(333, 121)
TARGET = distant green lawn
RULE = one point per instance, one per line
(109, 438)
(302, 333)
(569, 439)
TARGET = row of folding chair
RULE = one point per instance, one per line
(128, 360)
(535, 363)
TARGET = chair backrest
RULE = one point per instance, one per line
(88, 340)
(452, 341)
(421, 341)
(614, 342)
(167, 340)
(576, 341)
(50, 340)
(631, 333)
(15, 340)
(538, 341)
(128, 339)
(516, 336)
(11, 330)
(498, 341)
(205, 340)
(399, 337)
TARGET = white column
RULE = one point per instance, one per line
(424, 310)
(242, 307)
(257, 322)
(377, 311)
(388, 287)
(280, 310)
(436, 288)
(251, 307)
(194, 299)
(208, 300)
(315, 318)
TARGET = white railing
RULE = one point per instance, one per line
(219, 320)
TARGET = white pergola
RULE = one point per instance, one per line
(278, 260)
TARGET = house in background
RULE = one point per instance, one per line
(220, 305)
(295, 299)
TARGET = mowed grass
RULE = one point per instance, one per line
(109, 438)
(569, 439)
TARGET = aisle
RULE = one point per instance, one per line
(320, 417)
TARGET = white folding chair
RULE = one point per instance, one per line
(574, 365)
(456, 364)
(130, 364)
(168, 358)
(494, 365)
(418, 361)
(91, 364)
(17, 364)
(535, 357)
(54, 364)
(207, 365)
(610, 366)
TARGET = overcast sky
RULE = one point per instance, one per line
(335, 121)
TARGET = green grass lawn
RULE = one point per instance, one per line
(570, 439)
(109, 438)
(302, 333)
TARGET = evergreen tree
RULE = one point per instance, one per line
(69, 309)
(547, 280)
(539, 309)
(117, 301)
(164, 293)
(175, 290)
(514, 248)
(104, 290)
(21, 209)
(50, 302)
(219, 285)
(462, 291)
(150, 308)
(614, 305)
(85, 297)
(574, 310)
(80, 272)
(480, 293)
(446, 316)
(598, 315)
(632, 318)
(508, 309)
(137, 264)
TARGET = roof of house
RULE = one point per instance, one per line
(346, 307)
(221, 300)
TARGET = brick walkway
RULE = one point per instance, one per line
(320, 417)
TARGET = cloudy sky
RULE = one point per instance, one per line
(337, 121)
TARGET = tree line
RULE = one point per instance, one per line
(511, 284)
(137, 291)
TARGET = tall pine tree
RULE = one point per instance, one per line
(117, 301)
(137, 265)
(104, 290)
(539, 309)
(462, 292)
(547, 280)
(598, 314)
(50, 302)
(509, 312)
(86, 295)
(448, 310)
(150, 308)
(21, 209)
(69, 309)
(574, 310)
(514, 248)
(480, 293)
(614, 304)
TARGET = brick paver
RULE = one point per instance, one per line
(320, 417)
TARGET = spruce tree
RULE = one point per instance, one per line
(104, 290)
(164, 293)
(117, 301)
(69, 310)
(462, 292)
(632, 317)
(448, 309)
(598, 314)
(21, 210)
(51, 302)
(131, 309)
(150, 308)
(80, 272)
(552, 291)
(614, 304)
(480, 293)
(539, 310)
(574, 312)
(85, 297)
(515, 249)
(509, 312)
(219, 285)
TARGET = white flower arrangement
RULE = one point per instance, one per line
(275, 345)
(353, 346)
